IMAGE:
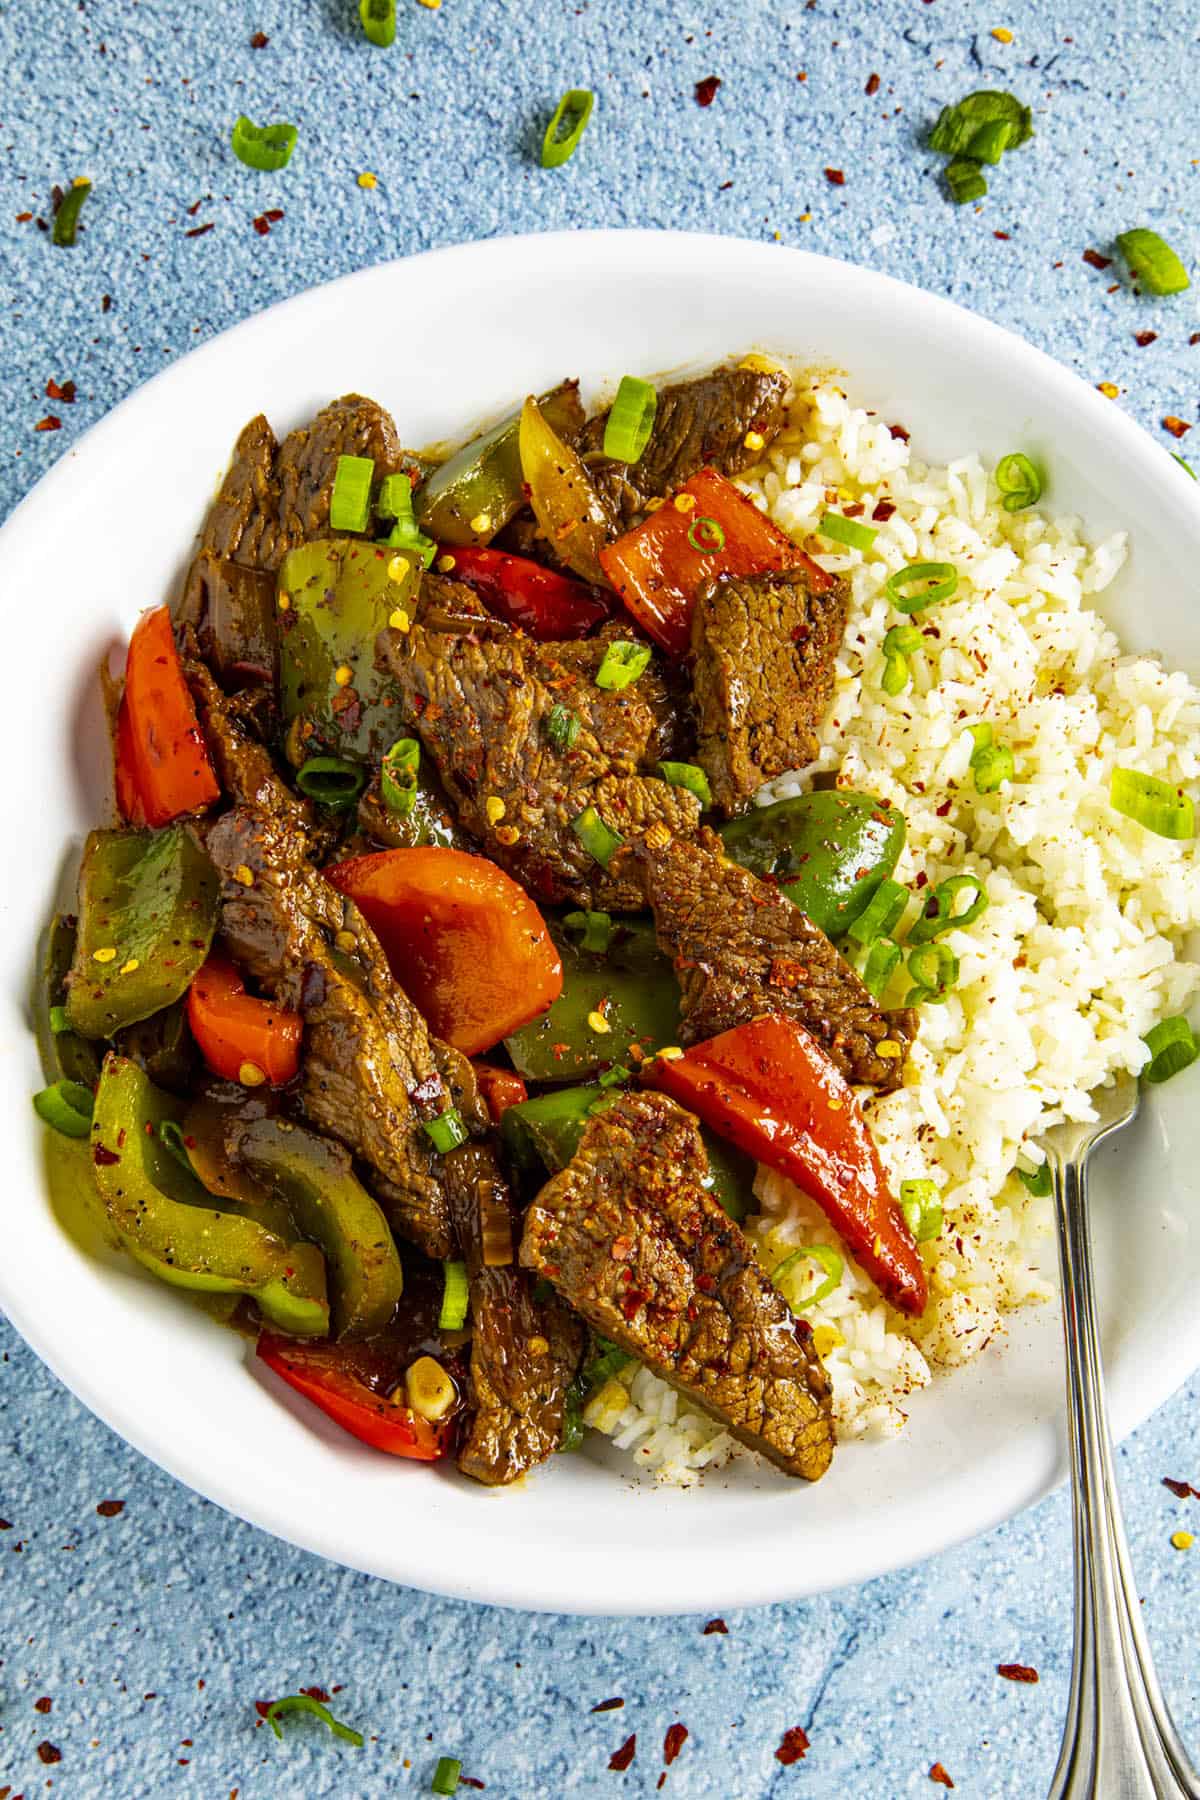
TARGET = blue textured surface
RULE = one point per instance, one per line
(153, 1632)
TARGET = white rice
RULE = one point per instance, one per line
(1079, 951)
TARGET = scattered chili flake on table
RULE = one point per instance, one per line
(1096, 260)
(835, 178)
(43, 1705)
(24, 218)
(199, 230)
(106, 303)
(65, 393)
(1017, 1672)
(1182, 1490)
(48, 1752)
(608, 1705)
(706, 90)
(264, 221)
(716, 1625)
(1109, 389)
(1145, 337)
(1175, 426)
(673, 1743)
(621, 1759)
(795, 1743)
(316, 1693)
(49, 423)
(1195, 338)
(259, 41)
(872, 86)
(470, 1781)
(938, 1773)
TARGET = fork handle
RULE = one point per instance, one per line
(1119, 1742)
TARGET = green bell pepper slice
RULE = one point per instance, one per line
(631, 985)
(332, 1207)
(483, 480)
(167, 1222)
(65, 1055)
(828, 850)
(147, 913)
(341, 593)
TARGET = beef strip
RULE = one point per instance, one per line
(524, 1353)
(629, 1236)
(699, 424)
(763, 650)
(479, 696)
(371, 1072)
(243, 521)
(741, 949)
(231, 609)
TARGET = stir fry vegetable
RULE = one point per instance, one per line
(829, 851)
(478, 490)
(325, 1377)
(539, 600)
(66, 1055)
(621, 997)
(241, 1038)
(561, 494)
(162, 766)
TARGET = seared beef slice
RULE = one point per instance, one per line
(628, 1235)
(764, 649)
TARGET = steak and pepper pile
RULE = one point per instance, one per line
(440, 985)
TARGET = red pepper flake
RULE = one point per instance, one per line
(1175, 426)
(1181, 1489)
(1145, 337)
(108, 1509)
(706, 90)
(470, 1781)
(795, 1743)
(898, 431)
(938, 1773)
(835, 178)
(65, 393)
(608, 1705)
(48, 1752)
(621, 1759)
(316, 1693)
(872, 86)
(1195, 338)
(1096, 260)
(883, 510)
(44, 1705)
(724, 187)
(922, 879)
(944, 808)
(199, 230)
(1005, 235)
(263, 1707)
(259, 41)
(265, 220)
(106, 303)
(51, 423)
(1017, 1672)
(24, 218)
(673, 1743)
(715, 1627)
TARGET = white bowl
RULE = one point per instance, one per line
(444, 340)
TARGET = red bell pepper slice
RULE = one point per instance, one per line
(501, 1088)
(541, 601)
(162, 762)
(234, 1030)
(326, 1375)
(658, 567)
(770, 1089)
(464, 941)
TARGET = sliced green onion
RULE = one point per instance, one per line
(395, 501)
(262, 146)
(67, 1106)
(895, 675)
(59, 1020)
(305, 1703)
(944, 917)
(706, 535)
(1019, 481)
(66, 219)
(1186, 466)
(456, 1295)
(413, 543)
(350, 502)
(567, 126)
(689, 776)
(879, 965)
(922, 1209)
(562, 727)
(617, 1076)
(830, 1260)
(1153, 262)
(330, 780)
(1155, 804)
(607, 1359)
(965, 181)
(630, 420)
(847, 531)
(447, 1131)
(1036, 1180)
(378, 21)
(959, 126)
(1172, 1046)
(398, 776)
(595, 930)
(981, 736)
(989, 142)
(882, 913)
(921, 585)
(898, 645)
(992, 765)
(170, 1136)
(622, 663)
(596, 837)
(934, 971)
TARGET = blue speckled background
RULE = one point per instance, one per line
(152, 1633)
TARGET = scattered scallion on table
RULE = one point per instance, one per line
(378, 19)
(1161, 808)
(263, 146)
(305, 1703)
(630, 420)
(1185, 466)
(975, 130)
(1152, 262)
(445, 1776)
(567, 126)
(66, 219)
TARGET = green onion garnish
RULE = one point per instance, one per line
(350, 502)
(705, 535)
(398, 776)
(1036, 1180)
(922, 1209)
(66, 219)
(964, 180)
(1155, 804)
(1172, 1046)
(882, 913)
(622, 664)
(617, 1076)
(934, 971)
(572, 1423)
(1019, 482)
(305, 1703)
(606, 1359)
(59, 1020)
(567, 126)
(595, 930)
(456, 1295)
(944, 917)
(879, 965)
(395, 501)
(1186, 466)
(378, 21)
(330, 780)
(562, 727)
(981, 736)
(170, 1136)
(894, 679)
(959, 128)
(921, 585)
(992, 765)
(596, 837)
(898, 645)
(1153, 262)
(990, 141)
(262, 146)
(630, 420)
(413, 543)
(447, 1131)
(830, 1260)
(689, 776)
(67, 1106)
(847, 531)
(445, 1776)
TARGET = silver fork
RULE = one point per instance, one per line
(1119, 1742)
